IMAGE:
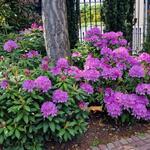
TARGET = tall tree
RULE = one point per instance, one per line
(54, 15)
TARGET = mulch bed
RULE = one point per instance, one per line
(100, 132)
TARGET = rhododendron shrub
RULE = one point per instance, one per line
(111, 65)
(36, 105)
(26, 40)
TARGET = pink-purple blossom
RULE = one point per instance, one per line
(43, 83)
(116, 102)
(83, 105)
(60, 96)
(56, 70)
(32, 54)
(86, 87)
(75, 72)
(62, 63)
(143, 89)
(4, 84)
(10, 45)
(145, 57)
(76, 54)
(49, 109)
(91, 74)
(111, 73)
(28, 85)
(137, 71)
(91, 63)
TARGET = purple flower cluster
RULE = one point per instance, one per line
(86, 87)
(42, 83)
(143, 89)
(137, 71)
(111, 73)
(35, 26)
(28, 85)
(76, 54)
(60, 96)
(83, 105)
(32, 54)
(107, 39)
(61, 65)
(45, 64)
(10, 45)
(91, 74)
(144, 57)
(91, 63)
(116, 102)
(4, 84)
(75, 72)
(49, 109)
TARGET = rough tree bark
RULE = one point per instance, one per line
(54, 15)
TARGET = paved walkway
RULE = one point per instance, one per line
(138, 142)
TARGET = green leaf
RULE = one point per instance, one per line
(26, 119)
(17, 133)
(52, 126)
(71, 131)
(27, 108)
(45, 127)
(1, 139)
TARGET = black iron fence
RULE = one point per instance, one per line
(91, 16)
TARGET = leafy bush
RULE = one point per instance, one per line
(37, 105)
(28, 39)
(124, 78)
(17, 14)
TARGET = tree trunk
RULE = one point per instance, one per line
(54, 15)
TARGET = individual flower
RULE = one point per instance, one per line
(10, 45)
(91, 63)
(93, 35)
(75, 72)
(140, 111)
(55, 70)
(112, 35)
(32, 53)
(60, 96)
(40, 28)
(43, 83)
(114, 110)
(62, 63)
(4, 84)
(76, 54)
(27, 72)
(111, 73)
(45, 60)
(123, 42)
(34, 25)
(144, 57)
(106, 51)
(143, 89)
(91, 74)
(121, 53)
(137, 71)
(83, 105)
(49, 109)
(28, 85)
(86, 87)
(114, 42)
